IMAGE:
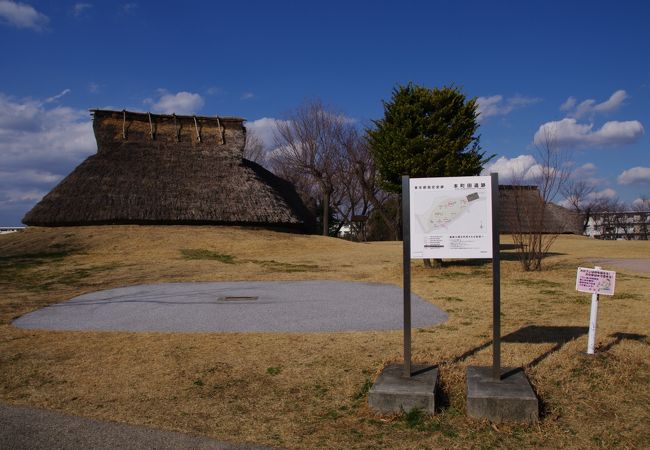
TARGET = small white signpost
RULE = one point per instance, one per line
(595, 281)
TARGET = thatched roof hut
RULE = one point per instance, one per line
(521, 209)
(168, 169)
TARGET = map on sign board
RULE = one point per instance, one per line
(451, 217)
(595, 281)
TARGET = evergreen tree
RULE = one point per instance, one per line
(426, 133)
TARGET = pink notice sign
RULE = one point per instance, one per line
(595, 281)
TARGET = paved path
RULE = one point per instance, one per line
(287, 306)
(36, 429)
(634, 265)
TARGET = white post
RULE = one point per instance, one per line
(592, 321)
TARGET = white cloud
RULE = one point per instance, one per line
(587, 173)
(496, 105)
(606, 193)
(179, 103)
(569, 133)
(568, 104)
(79, 8)
(29, 176)
(57, 96)
(264, 128)
(33, 131)
(643, 203)
(585, 170)
(591, 197)
(34, 135)
(521, 168)
(590, 107)
(40, 142)
(635, 175)
(19, 199)
(247, 96)
(129, 8)
(22, 15)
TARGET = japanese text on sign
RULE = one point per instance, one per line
(595, 281)
(451, 217)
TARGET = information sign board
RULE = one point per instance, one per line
(451, 217)
(595, 281)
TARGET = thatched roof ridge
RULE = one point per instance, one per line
(521, 210)
(136, 115)
(170, 170)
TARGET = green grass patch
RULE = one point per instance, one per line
(536, 283)
(550, 292)
(414, 417)
(278, 266)
(452, 275)
(361, 393)
(199, 253)
(627, 296)
(76, 276)
(29, 260)
(273, 371)
(23, 269)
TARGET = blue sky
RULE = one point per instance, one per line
(581, 68)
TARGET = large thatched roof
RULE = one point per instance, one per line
(169, 169)
(521, 209)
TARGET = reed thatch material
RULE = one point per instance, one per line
(168, 169)
(521, 210)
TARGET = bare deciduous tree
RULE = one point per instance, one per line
(324, 155)
(531, 229)
(254, 148)
(360, 193)
(583, 199)
(308, 143)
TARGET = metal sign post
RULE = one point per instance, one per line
(406, 252)
(593, 318)
(450, 217)
(496, 281)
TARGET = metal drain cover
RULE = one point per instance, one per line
(237, 298)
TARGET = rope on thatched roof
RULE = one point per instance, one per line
(221, 132)
(196, 126)
(124, 124)
(134, 115)
(151, 126)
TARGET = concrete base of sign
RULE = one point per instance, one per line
(393, 393)
(510, 399)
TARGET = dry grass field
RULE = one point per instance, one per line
(309, 390)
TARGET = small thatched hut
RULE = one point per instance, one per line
(168, 169)
(522, 210)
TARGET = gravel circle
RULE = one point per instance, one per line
(281, 306)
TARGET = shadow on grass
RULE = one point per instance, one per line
(514, 256)
(534, 334)
(508, 252)
(620, 337)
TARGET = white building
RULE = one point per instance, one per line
(628, 225)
